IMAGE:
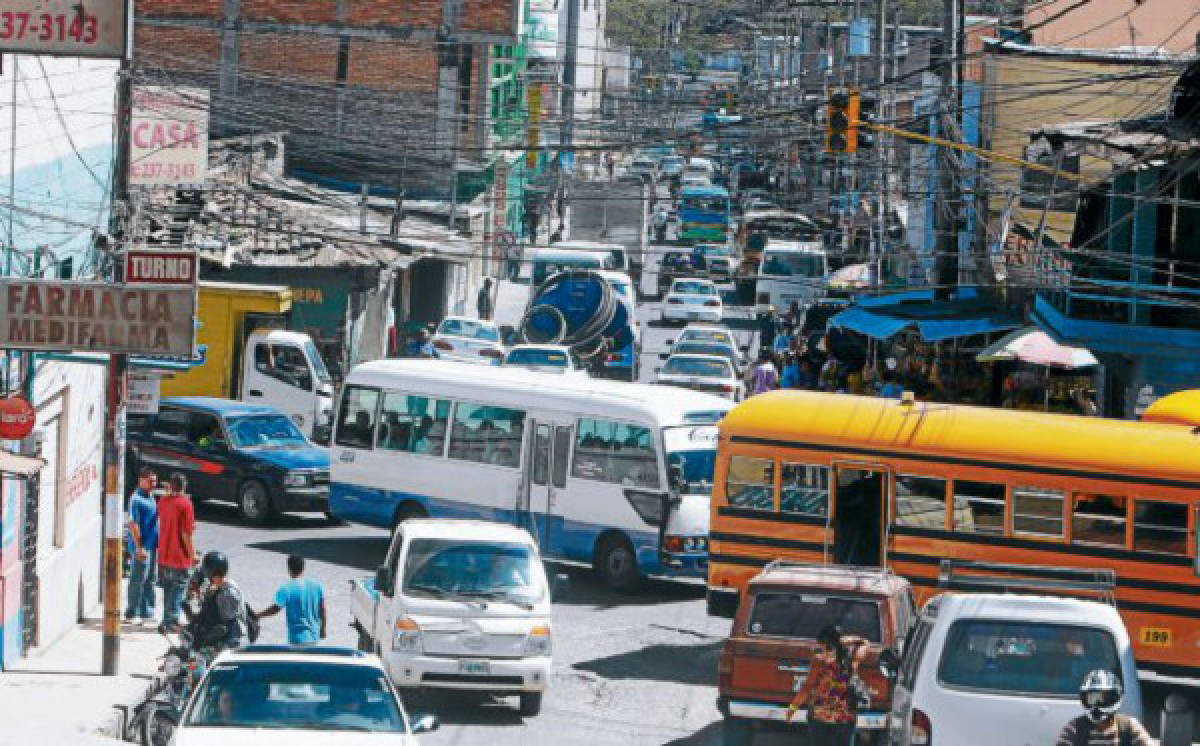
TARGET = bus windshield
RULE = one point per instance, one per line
(790, 264)
(694, 450)
(718, 205)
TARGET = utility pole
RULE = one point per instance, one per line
(875, 267)
(567, 128)
(946, 212)
(118, 366)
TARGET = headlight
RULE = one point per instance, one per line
(293, 479)
(537, 643)
(172, 666)
(406, 636)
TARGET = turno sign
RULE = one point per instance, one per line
(78, 316)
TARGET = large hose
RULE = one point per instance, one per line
(550, 319)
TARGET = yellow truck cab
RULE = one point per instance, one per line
(252, 356)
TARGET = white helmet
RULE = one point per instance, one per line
(1101, 694)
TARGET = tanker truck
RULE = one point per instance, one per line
(592, 312)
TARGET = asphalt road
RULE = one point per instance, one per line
(629, 669)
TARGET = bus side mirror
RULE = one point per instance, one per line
(383, 580)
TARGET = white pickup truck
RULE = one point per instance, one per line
(460, 605)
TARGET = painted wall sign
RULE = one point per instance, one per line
(17, 418)
(91, 28)
(135, 319)
(169, 139)
(144, 267)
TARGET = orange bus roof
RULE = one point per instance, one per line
(1167, 454)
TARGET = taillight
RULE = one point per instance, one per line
(442, 344)
(613, 357)
(921, 733)
(491, 352)
(712, 303)
(727, 388)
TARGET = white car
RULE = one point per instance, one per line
(998, 669)
(727, 350)
(460, 604)
(692, 299)
(468, 340)
(545, 358)
(276, 694)
(712, 374)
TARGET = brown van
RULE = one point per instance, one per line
(766, 658)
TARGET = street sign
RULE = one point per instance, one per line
(142, 394)
(67, 28)
(152, 320)
(168, 144)
(146, 267)
(17, 418)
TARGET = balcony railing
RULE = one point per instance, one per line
(1137, 304)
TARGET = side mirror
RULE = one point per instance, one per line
(664, 355)
(670, 341)
(426, 723)
(383, 580)
(889, 664)
(560, 586)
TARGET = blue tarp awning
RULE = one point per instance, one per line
(934, 320)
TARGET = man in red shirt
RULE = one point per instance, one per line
(176, 554)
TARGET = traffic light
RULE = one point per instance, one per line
(868, 108)
(841, 122)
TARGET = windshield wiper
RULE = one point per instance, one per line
(498, 596)
(432, 590)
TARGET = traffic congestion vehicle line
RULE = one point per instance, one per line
(614, 475)
(844, 479)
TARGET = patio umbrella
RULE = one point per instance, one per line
(1032, 345)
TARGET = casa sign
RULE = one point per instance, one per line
(83, 316)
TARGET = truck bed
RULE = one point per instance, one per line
(363, 599)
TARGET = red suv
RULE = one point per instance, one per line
(766, 658)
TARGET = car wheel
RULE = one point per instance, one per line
(736, 732)
(616, 563)
(531, 704)
(255, 503)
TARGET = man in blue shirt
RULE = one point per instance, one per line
(303, 603)
(142, 541)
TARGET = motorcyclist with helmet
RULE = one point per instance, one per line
(222, 619)
(1101, 724)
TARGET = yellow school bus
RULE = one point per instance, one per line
(831, 478)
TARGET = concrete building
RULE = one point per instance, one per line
(51, 522)
(1134, 26)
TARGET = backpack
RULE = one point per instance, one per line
(1083, 730)
(246, 617)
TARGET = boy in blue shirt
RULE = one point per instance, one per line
(303, 603)
(142, 545)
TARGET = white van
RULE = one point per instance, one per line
(790, 272)
(460, 605)
(1000, 669)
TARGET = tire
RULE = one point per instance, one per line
(254, 503)
(616, 564)
(736, 732)
(408, 510)
(530, 704)
(158, 727)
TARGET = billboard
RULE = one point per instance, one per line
(70, 28)
(541, 30)
(168, 143)
(95, 316)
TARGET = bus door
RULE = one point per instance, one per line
(546, 475)
(858, 513)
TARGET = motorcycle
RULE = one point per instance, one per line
(153, 721)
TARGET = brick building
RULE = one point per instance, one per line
(1131, 25)
(379, 90)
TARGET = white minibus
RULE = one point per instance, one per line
(615, 475)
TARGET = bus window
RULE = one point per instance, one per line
(487, 435)
(805, 489)
(920, 501)
(413, 424)
(984, 507)
(1099, 519)
(609, 451)
(1038, 511)
(356, 421)
(750, 483)
(1160, 527)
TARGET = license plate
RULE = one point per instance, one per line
(474, 668)
(1156, 637)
